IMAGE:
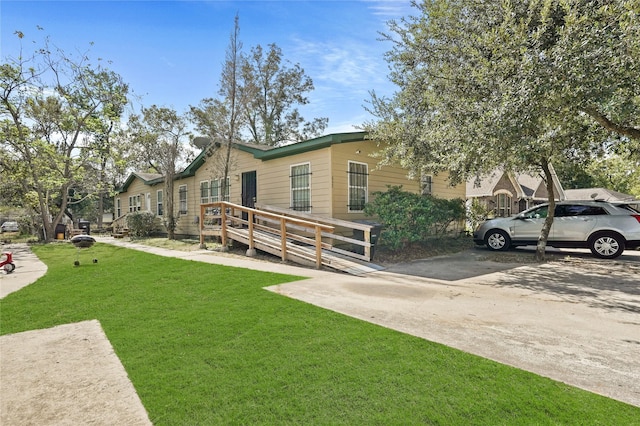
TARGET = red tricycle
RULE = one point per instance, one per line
(7, 262)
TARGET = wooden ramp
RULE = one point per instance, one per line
(297, 238)
(302, 253)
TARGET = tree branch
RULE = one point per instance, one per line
(604, 121)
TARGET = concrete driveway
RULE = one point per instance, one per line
(576, 320)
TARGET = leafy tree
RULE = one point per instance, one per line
(616, 172)
(574, 175)
(513, 84)
(160, 135)
(270, 91)
(50, 105)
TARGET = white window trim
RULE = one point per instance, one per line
(134, 203)
(291, 201)
(205, 200)
(159, 203)
(226, 189)
(349, 186)
(508, 205)
(186, 199)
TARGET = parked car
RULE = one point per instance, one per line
(605, 228)
(9, 226)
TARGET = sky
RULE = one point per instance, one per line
(171, 52)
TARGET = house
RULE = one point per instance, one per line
(332, 176)
(506, 193)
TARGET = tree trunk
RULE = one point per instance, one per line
(546, 228)
(170, 220)
(100, 208)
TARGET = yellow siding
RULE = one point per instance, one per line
(380, 177)
(329, 182)
(138, 187)
(187, 223)
(274, 187)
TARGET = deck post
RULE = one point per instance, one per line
(283, 238)
(202, 209)
(251, 251)
(318, 247)
(367, 247)
(223, 225)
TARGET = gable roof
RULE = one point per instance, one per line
(485, 186)
(146, 178)
(526, 185)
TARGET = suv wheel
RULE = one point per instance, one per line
(606, 245)
(497, 239)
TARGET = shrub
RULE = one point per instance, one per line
(412, 218)
(141, 224)
(477, 213)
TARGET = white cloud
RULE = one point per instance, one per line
(390, 9)
(349, 65)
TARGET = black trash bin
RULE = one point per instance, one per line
(358, 234)
(61, 231)
(85, 225)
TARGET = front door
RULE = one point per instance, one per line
(249, 190)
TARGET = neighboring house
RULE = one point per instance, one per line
(330, 176)
(603, 194)
(506, 193)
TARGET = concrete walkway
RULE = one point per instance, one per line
(576, 324)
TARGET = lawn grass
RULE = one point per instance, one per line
(205, 344)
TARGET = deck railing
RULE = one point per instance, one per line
(221, 218)
(343, 238)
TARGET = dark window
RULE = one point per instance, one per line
(182, 192)
(358, 186)
(301, 187)
(565, 210)
(539, 213)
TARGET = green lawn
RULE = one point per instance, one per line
(205, 344)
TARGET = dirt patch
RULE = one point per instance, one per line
(68, 374)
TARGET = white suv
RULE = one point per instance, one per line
(9, 227)
(605, 228)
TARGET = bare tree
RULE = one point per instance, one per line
(220, 119)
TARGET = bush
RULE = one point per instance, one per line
(141, 224)
(412, 218)
(477, 213)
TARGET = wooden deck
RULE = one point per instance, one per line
(294, 238)
(302, 253)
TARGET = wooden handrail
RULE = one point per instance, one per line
(366, 229)
(317, 229)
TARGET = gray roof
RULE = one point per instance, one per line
(598, 194)
(148, 176)
(484, 186)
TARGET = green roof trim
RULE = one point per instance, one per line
(310, 145)
(150, 179)
(260, 153)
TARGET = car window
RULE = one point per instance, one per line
(539, 213)
(632, 208)
(564, 210)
